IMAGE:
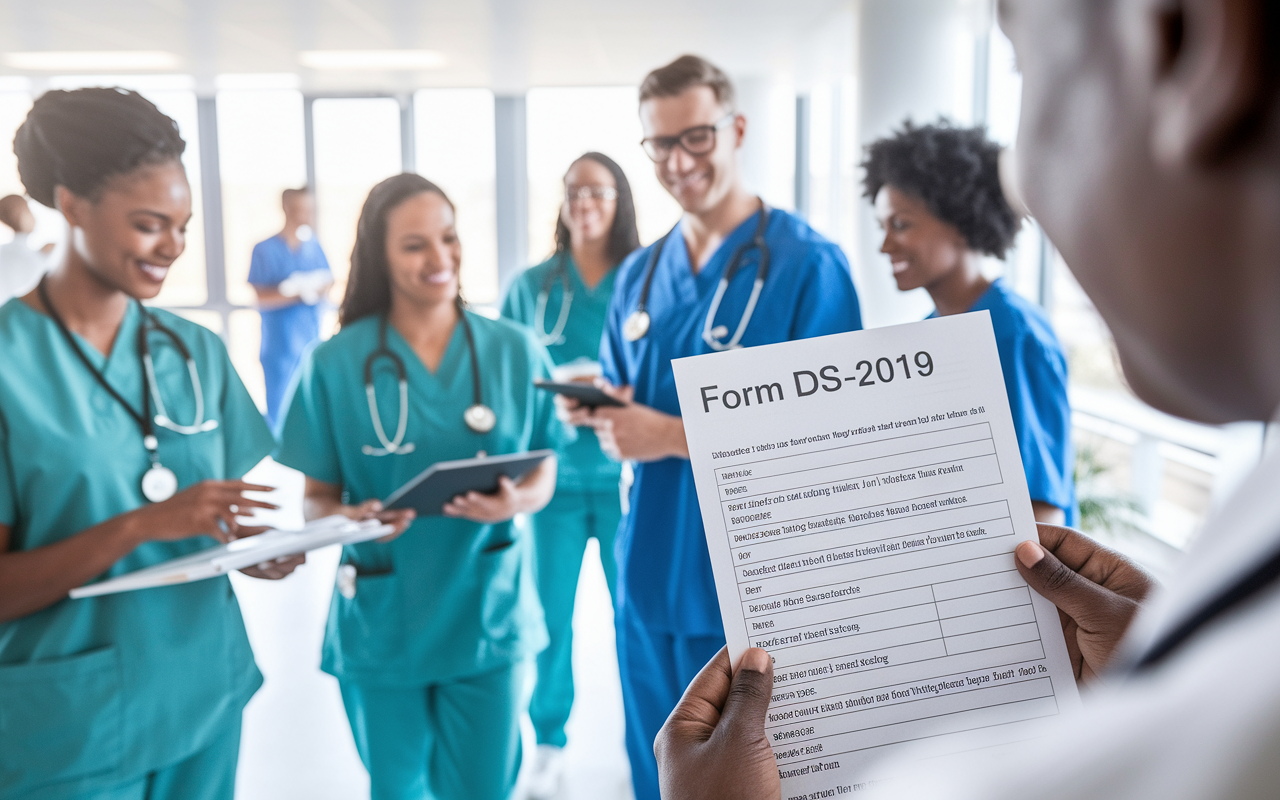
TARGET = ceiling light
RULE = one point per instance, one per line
(371, 59)
(92, 61)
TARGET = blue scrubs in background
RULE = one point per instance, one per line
(668, 618)
(587, 503)
(1035, 377)
(289, 330)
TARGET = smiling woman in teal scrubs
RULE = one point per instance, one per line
(937, 194)
(565, 301)
(426, 632)
(135, 695)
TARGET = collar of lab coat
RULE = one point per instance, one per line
(1240, 533)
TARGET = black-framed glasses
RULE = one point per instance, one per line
(696, 141)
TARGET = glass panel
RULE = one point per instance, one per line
(261, 152)
(564, 123)
(172, 94)
(357, 145)
(455, 149)
(244, 338)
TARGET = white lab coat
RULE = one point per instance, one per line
(1204, 723)
(20, 267)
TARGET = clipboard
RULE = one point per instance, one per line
(240, 553)
(429, 491)
(584, 393)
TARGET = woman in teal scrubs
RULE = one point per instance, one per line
(134, 695)
(937, 194)
(565, 300)
(426, 632)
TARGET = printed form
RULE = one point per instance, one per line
(862, 495)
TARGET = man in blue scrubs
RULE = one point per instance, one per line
(668, 618)
(291, 277)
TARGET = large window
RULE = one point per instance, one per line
(455, 149)
(564, 123)
(357, 145)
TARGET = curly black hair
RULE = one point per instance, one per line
(81, 139)
(955, 172)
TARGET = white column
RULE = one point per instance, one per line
(915, 58)
(768, 155)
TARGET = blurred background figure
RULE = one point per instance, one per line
(938, 198)
(565, 300)
(290, 274)
(20, 266)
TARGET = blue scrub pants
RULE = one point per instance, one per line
(561, 531)
(456, 740)
(655, 667)
(209, 774)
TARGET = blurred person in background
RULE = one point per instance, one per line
(733, 272)
(564, 301)
(1149, 150)
(938, 199)
(20, 266)
(290, 274)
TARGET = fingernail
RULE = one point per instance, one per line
(1029, 554)
(755, 659)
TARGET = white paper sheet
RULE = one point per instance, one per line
(862, 495)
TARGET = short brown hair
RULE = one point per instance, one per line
(685, 73)
(289, 194)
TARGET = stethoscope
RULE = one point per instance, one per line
(478, 416)
(159, 483)
(637, 324)
(556, 336)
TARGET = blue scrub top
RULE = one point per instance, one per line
(583, 466)
(1035, 378)
(108, 688)
(664, 571)
(286, 331)
(450, 597)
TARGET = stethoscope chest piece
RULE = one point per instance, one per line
(480, 418)
(636, 325)
(159, 483)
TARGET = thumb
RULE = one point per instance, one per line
(749, 695)
(1080, 598)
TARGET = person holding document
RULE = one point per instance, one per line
(1148, 150)
(427, 632)
(123, 433)
(564, 300)
(938, 198)
(732, 273)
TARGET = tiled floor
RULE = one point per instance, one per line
(296, 742)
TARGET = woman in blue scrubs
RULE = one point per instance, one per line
(427, 631)
(134, 695)
(565, 300)
(937, 194)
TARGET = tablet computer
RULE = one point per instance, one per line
(584, 393)
(429, 491)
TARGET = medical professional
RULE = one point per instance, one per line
(427, 632)
(290, 275)
(1153, 189)
(20, 265)
(733, 272)
(938, 198)
(123, 432)
(564, 300)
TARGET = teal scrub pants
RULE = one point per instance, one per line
(209, 774)
(455, 740)
(561, 531)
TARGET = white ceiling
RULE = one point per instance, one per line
(502, 44)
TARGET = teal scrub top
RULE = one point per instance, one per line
(583, 466)
(449, 598)
(108, 688)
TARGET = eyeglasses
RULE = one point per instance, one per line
(581, 193)
(696, 141)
